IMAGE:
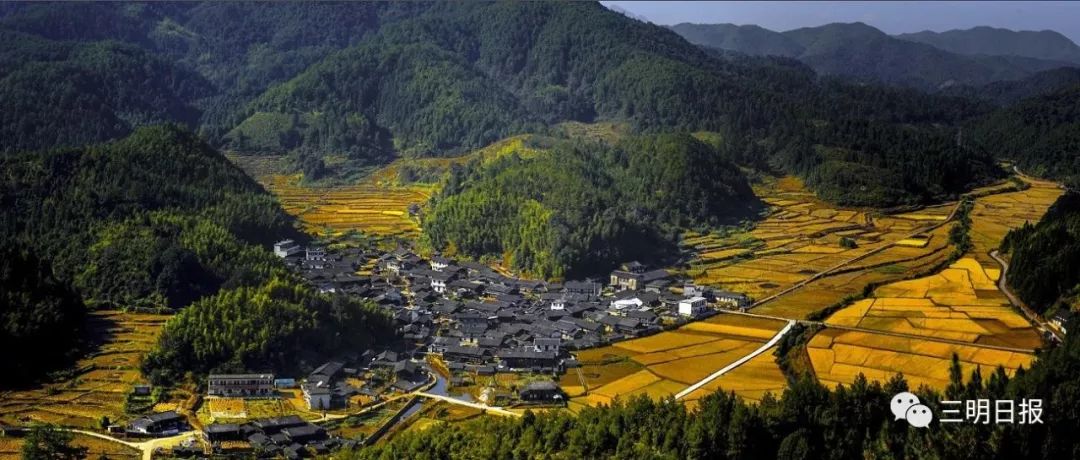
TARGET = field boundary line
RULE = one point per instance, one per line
(715, 375)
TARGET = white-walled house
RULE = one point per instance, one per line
(694, 306)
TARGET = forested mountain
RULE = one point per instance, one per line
(983, 40)
(1045, 266)
(864, 53)
(160, 219)
(808, 421)
(57, 93)
(580, 209)
(1041, 134)
(280, 324)
(1009, 92)
(750, 39)
(157, 219)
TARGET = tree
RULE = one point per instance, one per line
(47, 442)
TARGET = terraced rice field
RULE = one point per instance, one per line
(101, 382)
(994, 215)
(664, 364)
(10, 448)
(839, 356)
(960, 303)
(370, 208)
(800, 238)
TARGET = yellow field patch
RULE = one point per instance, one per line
(690, 370)
(627, 384)
(663, 341)
(959, 303)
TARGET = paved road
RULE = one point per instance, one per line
(739, 362)
(1003, 285)
(484, 407)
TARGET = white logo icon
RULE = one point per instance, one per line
(907, 406)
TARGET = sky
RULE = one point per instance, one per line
(891, 17)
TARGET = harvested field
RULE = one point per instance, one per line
(101, 381)
(839, 356)
(371, 208)
(959, 303)
(800, 238)
(666, 363)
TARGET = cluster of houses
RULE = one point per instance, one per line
(484, 322)
(290, 437)
(327, 388)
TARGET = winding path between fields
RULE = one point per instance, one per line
(739, 362)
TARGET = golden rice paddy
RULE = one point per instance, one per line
(838, 356)
(960, 303)
(666, 363)
(371, 208)
(800, 238)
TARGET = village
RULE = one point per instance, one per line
(461, 324)
(482, 322)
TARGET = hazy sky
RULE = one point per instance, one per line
(891, 17)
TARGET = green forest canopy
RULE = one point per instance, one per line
(579, 208)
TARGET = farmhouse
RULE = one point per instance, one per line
(218, 432)
(408, 376)
(541, 391)
(590, 288)
(732, 299)
(319, 390)
(692, 307)
(158, 424)
(272, 426)
(440, 263)
(241, 385)
(439, 281)
(633, 276)
(286, 248)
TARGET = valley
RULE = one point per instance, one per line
(509, 230)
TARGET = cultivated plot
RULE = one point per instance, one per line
(100, 383)
(664, 364)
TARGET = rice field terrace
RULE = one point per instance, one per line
(371, 208)
(801, 237)
(100, 382)
(10, 448)
(960, 303)
(664, 364)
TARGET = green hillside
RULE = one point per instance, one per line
(1041, 134)
(69, 94)
(155, 219)
(983, 40)
(579, 209)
